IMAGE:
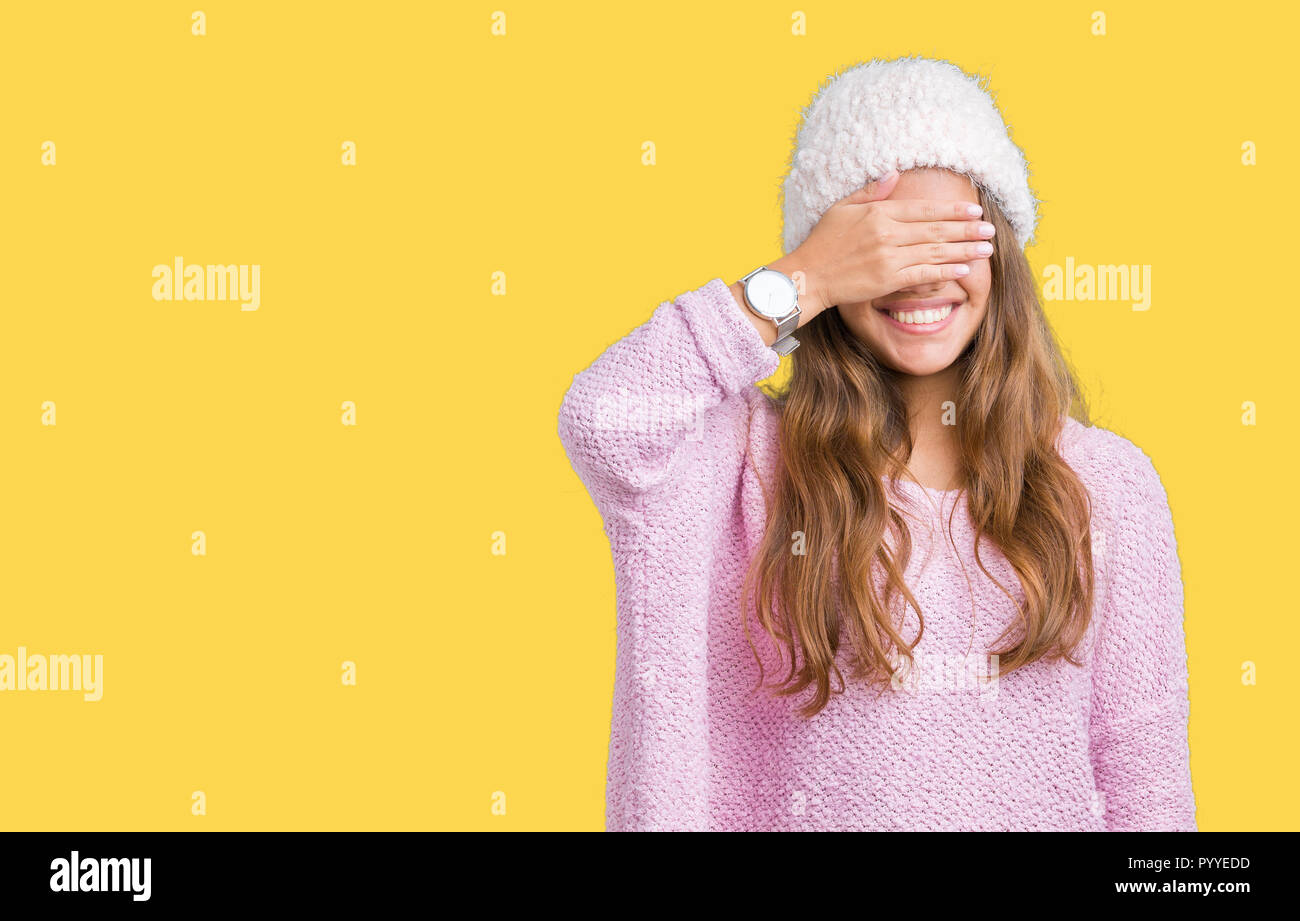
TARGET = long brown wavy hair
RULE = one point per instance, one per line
(843, 424)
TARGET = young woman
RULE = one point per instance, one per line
(913, 588)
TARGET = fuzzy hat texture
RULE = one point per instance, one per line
(902, 114)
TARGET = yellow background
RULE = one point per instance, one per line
(522, 154)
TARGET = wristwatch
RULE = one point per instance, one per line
(773, 295)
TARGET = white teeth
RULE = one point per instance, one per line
(922, 317)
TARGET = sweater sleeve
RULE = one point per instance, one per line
(634, 426)
(624, 419)
(1140, 707)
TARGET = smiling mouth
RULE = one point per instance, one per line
(921, 319)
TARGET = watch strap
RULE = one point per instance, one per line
(788, 325)
(785, 343)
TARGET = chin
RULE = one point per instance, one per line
(907, 352)
(919, 367)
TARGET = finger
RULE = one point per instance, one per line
(940, 253)
(929, 209)
(907, 233)
(914, 275)
(875, 190)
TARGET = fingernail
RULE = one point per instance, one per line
(962, 270)
(987, 230)
(974, 210)
(983, 248)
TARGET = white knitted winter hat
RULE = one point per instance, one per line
(904, 113)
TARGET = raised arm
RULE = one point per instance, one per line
(625, 418)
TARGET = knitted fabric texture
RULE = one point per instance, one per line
(902, 114)
(669, 434)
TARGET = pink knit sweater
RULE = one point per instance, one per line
(667, 431)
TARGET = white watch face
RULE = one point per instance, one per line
(771, 294)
